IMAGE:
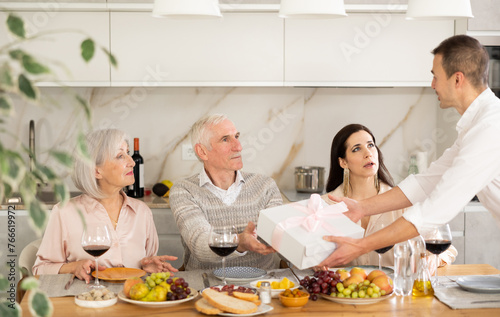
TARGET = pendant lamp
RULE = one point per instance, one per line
(186, 9)
(312, 9)
(438, 9)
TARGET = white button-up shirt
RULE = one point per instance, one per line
(228, 196)
(470, 166)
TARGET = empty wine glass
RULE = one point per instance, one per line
(223, 241)
(437, 241)
(379, 225)
(96, 240)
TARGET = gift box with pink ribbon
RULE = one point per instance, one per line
(296, 230)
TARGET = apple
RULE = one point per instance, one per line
(373, 274)
(129, 283)
(358, 271)
(384, 282)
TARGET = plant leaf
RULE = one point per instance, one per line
(63, 157)
(6, 81)
(16, 25)
(85, 105)
(12, 168)
(81, 147)
(40, 305)
(4, 284)
(8, 309)
(111, 57)
(48, 175)
(17, 54)
(25, 86)
(30, 283)
(6, 108)
(33, 66)
(62, 192)
(88, 49)
(37, 214)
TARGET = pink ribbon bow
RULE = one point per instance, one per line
(316, 216)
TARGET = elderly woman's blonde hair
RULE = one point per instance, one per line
(102, 145)
(200, 132)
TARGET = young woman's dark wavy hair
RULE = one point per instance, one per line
(336, 176)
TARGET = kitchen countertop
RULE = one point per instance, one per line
(153, 202)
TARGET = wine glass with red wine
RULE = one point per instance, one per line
(379, 225)
(436, 242)
(223, 241)
(96, 240)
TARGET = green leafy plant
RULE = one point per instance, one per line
(18, 73)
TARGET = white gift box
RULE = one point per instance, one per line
(296, 230)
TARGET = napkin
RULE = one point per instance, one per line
(455, 297)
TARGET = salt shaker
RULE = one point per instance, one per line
(265, 293)
(403, 275)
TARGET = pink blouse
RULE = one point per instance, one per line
(134, 238)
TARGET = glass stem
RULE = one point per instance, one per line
(224, 270)
(96, 283)
(436, 272)
(380, 262)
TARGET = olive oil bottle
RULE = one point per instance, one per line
(422, 286)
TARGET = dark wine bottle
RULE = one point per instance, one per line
(136, 190)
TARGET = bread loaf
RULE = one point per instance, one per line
(250, 297)
(204, 307)
(228, 303)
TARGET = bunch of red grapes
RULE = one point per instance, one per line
(323, 282)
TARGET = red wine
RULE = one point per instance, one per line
(224, 250)
(136, 190)
(437, 246)
(384, 250)
(96, 250)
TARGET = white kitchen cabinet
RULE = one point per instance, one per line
(486, 16)
(168, 235)
(241, 49)
(60, 47)
(362, 50)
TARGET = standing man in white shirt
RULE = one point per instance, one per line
(222, 195)
(470, 166)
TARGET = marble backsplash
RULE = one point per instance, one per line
(280, 127)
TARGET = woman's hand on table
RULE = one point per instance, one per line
(82, 269)
(157, 263)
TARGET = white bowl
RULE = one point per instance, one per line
(96, 303)
(274, 292)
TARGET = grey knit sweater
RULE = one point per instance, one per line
(195, 208)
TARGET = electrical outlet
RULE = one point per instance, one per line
(188, 153)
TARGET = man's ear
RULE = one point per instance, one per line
(201, 151)
(459, 79)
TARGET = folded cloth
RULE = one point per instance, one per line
(53, 285)
(455, 297)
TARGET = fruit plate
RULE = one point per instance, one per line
(193, 295)
(119, 273)
(356, 301)
(262, 310)
(275, 292)
(480, 284)
(240, 273)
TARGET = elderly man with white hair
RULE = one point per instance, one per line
(222, 195)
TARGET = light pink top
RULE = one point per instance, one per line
(134, 238)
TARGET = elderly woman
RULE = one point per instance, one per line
(134, 237)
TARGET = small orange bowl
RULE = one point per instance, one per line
(294, 301)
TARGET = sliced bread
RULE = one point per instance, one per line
(204, 307)
(228, 303)
(246, 296)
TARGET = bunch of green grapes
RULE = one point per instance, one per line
(364, 289)
(156, 279)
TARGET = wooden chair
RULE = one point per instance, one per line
(26, 261)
